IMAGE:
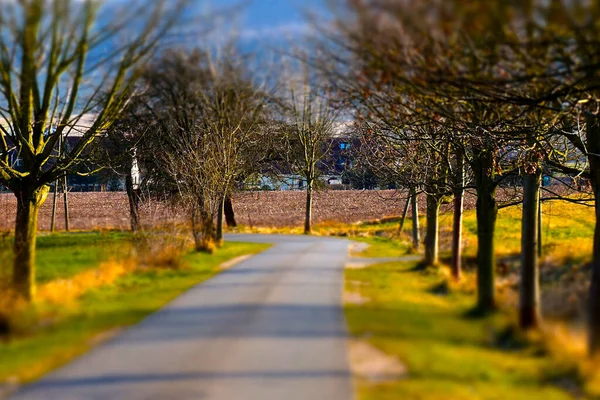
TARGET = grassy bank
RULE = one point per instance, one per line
(63, 331)
(64, 255)
(410, 314)
(420, 317)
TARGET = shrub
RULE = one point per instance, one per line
(163, 248)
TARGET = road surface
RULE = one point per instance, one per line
(270, 328)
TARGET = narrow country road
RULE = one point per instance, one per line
(270, 328)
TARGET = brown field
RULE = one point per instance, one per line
(109, 210)
(286, 208)
(87, 211)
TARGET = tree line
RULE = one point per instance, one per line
(451, 95)
(199, 121)
(443, 95)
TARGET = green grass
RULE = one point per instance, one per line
(382, 247)
(63, 255)
(567, 231)
(566, 228)
(76, 328)
(448, 355)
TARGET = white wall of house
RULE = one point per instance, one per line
(293, 182)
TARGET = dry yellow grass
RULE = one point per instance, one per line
(64, 291)
(567, 246)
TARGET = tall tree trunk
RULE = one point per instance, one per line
(487, 212)
(29, 201)
(432, 230)
(593, 144)
(229, 213)
(539, 241)
(594, 305)
(220, 218)
(133, 195)
(308, 211)
(457, 219)
(529, 313)
(415, 218)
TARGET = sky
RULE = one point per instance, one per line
(272, 20)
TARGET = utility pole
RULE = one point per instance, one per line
(53, 218)
(65, 189)
(66, 202)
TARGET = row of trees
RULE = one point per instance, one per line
(204, 124)
(54, 69)
(199, 123)
(448, 95)
(444, 95)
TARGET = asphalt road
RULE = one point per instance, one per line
(270, 328)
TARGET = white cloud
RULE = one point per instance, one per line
(287, 31)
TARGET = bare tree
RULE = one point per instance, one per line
(208, 111)
(308, 129)
(61, 61)
(235, 105)
(122, 152)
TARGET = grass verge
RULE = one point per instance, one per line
(382, 247)
(411, 314)
(67, 331)
(64, 255)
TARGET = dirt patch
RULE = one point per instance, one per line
(233, 262)
(369, 363)
(357, 264)
(357, 283)
(356, 248)
(8, 387)
(104, 336)
(354, 298)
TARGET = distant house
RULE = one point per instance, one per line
(337, 161)
(79, 183)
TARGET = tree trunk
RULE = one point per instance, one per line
(593, 143)
(229, 213)
(487, 212)
(457, 221)
(432, 230)
(415, 218)
(539, 241)
(220, 218)
(133, 195)
(203, 229)
(529, 313)
(196, 228)
(594, 312)
(208, 232)
(29, 201)
(308, 211)
(404, 213)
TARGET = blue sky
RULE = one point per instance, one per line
(268, 20)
